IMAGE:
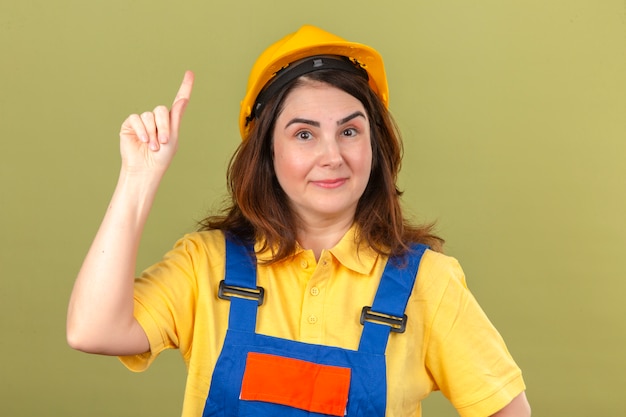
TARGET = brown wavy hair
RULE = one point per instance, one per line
(257, 208)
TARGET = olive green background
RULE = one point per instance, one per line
(514, 119)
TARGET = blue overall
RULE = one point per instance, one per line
(366, 366)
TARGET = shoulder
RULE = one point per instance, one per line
(438, 270)
(207, 241)
(194, 251)
(440, 288)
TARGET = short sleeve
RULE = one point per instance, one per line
(466, 355)
(165, 297)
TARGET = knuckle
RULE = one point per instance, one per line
(132, 118)
(147, 115)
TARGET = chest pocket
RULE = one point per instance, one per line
(296, 383)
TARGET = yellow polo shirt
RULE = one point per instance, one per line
(449, 343)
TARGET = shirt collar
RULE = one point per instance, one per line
(359, 257)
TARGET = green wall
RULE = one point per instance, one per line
(514, 118)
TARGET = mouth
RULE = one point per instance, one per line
(330, 183)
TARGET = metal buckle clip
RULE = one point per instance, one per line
(397, 324)
(226, 292)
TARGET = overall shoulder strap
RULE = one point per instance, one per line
(239, 285)
(387, 311)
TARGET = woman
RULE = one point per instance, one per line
(310, 294)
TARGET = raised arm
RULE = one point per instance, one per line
(100, 313)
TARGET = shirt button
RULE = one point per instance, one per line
(312, 319)
(304, 264)
(315, 291)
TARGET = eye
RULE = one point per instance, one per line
(350, 132)
(304, 135)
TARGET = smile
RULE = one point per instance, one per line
(333, 183)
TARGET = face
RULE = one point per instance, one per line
(322, 152)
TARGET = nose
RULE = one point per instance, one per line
(330, 152)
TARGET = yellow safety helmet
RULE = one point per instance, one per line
(309, 41)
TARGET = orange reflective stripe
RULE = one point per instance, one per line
(296, 383)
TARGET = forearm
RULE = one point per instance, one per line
(519, 407)
(100, 314)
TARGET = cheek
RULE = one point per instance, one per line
(288, 167)
(290, 160)
(365, 160)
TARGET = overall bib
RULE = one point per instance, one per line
(258, 375)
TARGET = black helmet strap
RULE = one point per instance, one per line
(305, 66)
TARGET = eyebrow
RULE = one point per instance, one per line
(317, 124)
(352, 116)
(305, 121)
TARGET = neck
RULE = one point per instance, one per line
(319, 236)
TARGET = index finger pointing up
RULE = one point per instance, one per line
(180, 103)
(184, 92)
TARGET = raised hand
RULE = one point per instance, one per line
(148, 141)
